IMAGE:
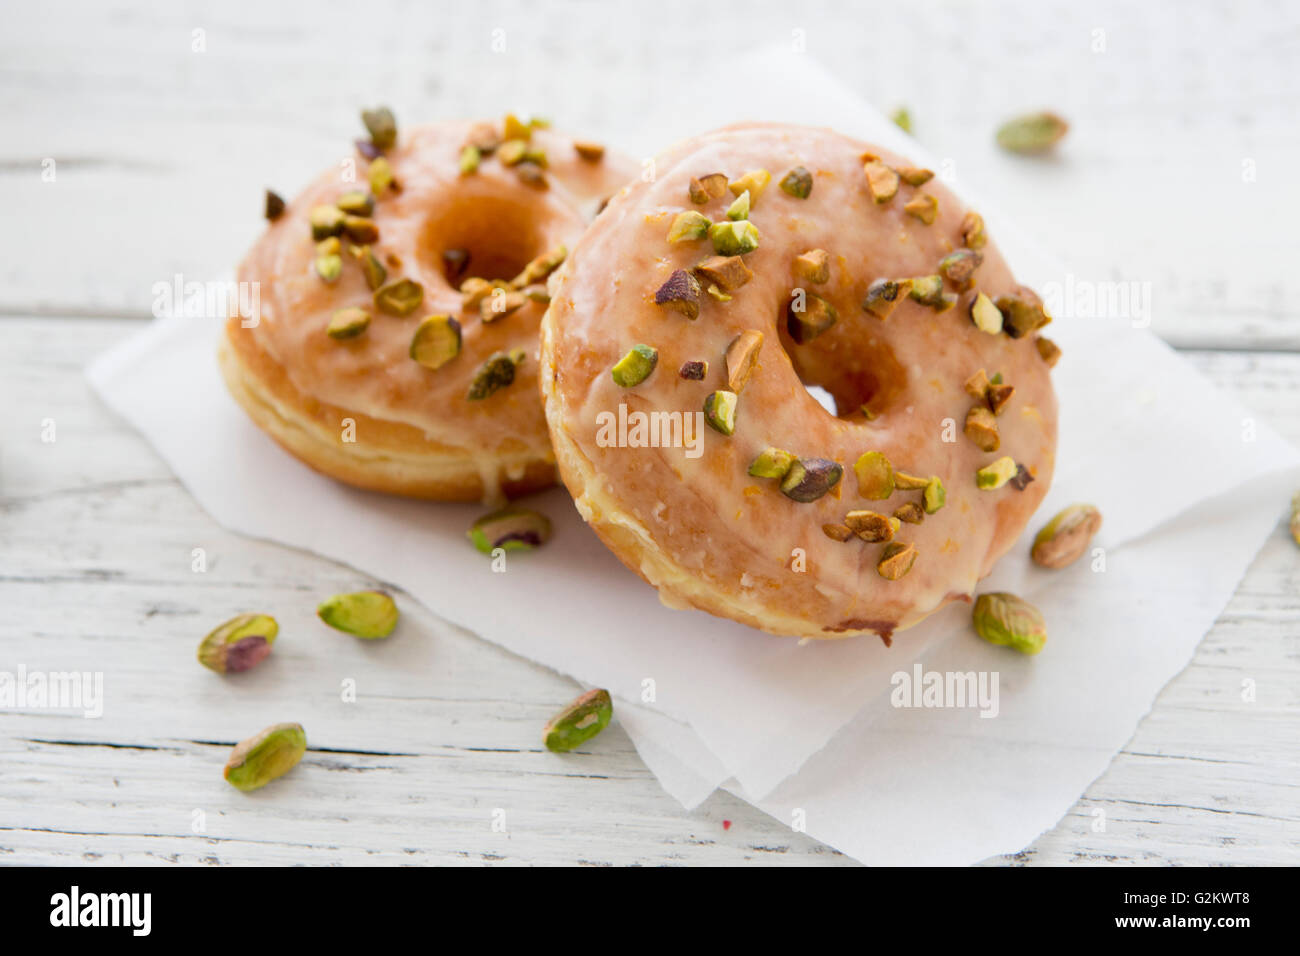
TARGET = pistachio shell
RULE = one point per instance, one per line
(1065, 538)
(511, 528)
(578, 722)
(269, 754)
(1008, 621)
(239, 644)
(635, 367)
(365, 614)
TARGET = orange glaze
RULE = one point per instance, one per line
(693, 527)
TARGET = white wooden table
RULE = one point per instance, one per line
(1179, 171)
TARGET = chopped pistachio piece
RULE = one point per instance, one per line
(1032, 133)
(813, 266)
(712, 186)
(996, 379)
(934, 496)
(910, 512)
(1022, 312)
(512, 151)
(896, 559)
(923, 207)
(326, 221)
(348, 323)
(816, 316)
(884, 294)
(266, 755)
(577, 723)
(688, 226)
(798, 183)
(914, 175)
(837, 532)
(717, 293)
(367, 149)
(329, 266)
(998, 396)
(875, 476)
(537, 292)
(810, 478)
(729, 273)
(373, 270)
(356, 202)
(531, 174)
(274, 208)
(635, 367)
(1021, 479)
(734, 238)
(1065, 538)
(972, 230)
(871, 526)
(995, 475)
(928, 290)
(366, 614)
(515, 128)
(474, 290)
(694, 371)
(771, 462)
(720, 411)
(986, 316)
(982, 428)
(905, 482)
(977, 386)
(742, 358)
(360, 229)
(1008, 621)
(484, 137)
(455, 263)
(753, 182)
(381, 125)
(586, 149)
(500, 303)
(881, 181)
(436, 341)
(1048, 350)
(541, 266)
(512, 529)
(495, 374)
(535, 154)
(470, 157)
(399, 298)
(902, 119)
(681, 292)
(380, 176)
(958, 267)
(739, 209)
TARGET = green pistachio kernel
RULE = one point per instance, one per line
(541, 266)
(875, 476)
(882, 181)
(923, 207)
(720, 411)
(928, 290)
(635, 367)
(883, 295)
(810, 478)
(739, 209)
(798, 183)
(329, 267)
(1032, 133)
(348, 323)
(512, 152)
(238, 644)
(380, 176)
(374, 271)
(689, 226)
(753, 182)
(436, 341)
(1065, 538)
(957, 267)
(356, 202)
(815, 317)
(512, 528)
(360, 229)
(902, 119)
(365, 614)
(771, 462)
(734, 238)
(997, 474)
(495, 374)
(272, 753)
(986, 316)
(381, 125)
(515, 128)
(905, 482)
(896, 559)
(934, 496)
(399, 298)
(470, 157)
(326, 221)
(1022, 312)
(1008, 621)
(577, 723)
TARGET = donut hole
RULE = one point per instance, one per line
(498, 235)
(852, 377)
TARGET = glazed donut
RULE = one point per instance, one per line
(395, 343)
(764, 260)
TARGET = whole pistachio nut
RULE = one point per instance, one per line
(1008, 621)
(1065, 538)
(884, 294)
(689, 226)
(238, 644)
(635, 367)
(381, 125)
(753, 182)
(682, 292)
(996, 474)
(771, 462)
(399, 298)
(578, 722)
(274, 206)
(808, 316)
(1032, 133)
(810, 478)
(272, 753)
(934, 496)
(495, 374)
(734, 238)
(798, 183)
(436, 341)
(875, 476)
(511, 528)
(720, 411)
(365, 614)
(348, 323)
